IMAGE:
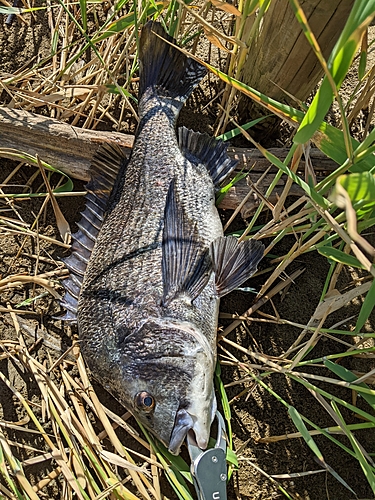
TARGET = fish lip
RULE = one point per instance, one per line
(183, 423)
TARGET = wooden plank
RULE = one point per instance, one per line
(71, 149)
(63, 146)
(281, 57)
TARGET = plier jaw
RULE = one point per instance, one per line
(209, 467)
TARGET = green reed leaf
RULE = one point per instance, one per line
(339, 256)
(366, 309)
(348, 376)
(298, 422)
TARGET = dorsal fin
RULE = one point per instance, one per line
(104, 170)
(202, 148)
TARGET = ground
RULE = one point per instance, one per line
(257, 414)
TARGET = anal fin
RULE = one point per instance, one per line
(234, 262)
(202, 148)
(104, 171)
(186, 264)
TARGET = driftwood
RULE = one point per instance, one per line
(71, 149)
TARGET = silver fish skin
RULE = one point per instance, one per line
(149, 301)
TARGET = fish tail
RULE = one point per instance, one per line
(164, 69)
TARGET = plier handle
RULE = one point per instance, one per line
(209, 467)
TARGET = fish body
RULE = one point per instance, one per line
(148, 298)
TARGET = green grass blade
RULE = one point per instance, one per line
(348, 376)
(288, 113)
(331, 142)
(367, 469)
(298, 417)
(18, 10)
(237, 131)
(332, 397)
(366, 309)
(338, 355)
(365, 144)
(230, 454)
(120, 4)
(6, 476)
(298, 422)
(14, 153)
(339, 479)
(328, 139)
(327, 281)
(360, 187)
(83, 8)
(310, 191)
(223, 191)
(175, 468)
(126, 22)
(362, 65)
(339, 256)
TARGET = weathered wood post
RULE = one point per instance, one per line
(281, 57)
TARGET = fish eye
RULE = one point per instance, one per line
(145, 401)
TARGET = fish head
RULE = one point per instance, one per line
(199, 412)
(171, 387)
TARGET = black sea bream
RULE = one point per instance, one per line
(150, 261)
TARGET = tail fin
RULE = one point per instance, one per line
(164, 68)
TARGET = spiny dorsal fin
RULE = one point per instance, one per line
(234, 262)
(186, 265)
(104, 170)
(202, 148)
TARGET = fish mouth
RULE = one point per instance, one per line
(183, 424)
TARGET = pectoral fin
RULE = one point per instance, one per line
(186, 265)
(234, 262)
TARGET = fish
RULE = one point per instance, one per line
(150, 263)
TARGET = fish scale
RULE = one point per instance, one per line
(150, 261)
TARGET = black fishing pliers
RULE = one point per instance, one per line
(209, 467)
